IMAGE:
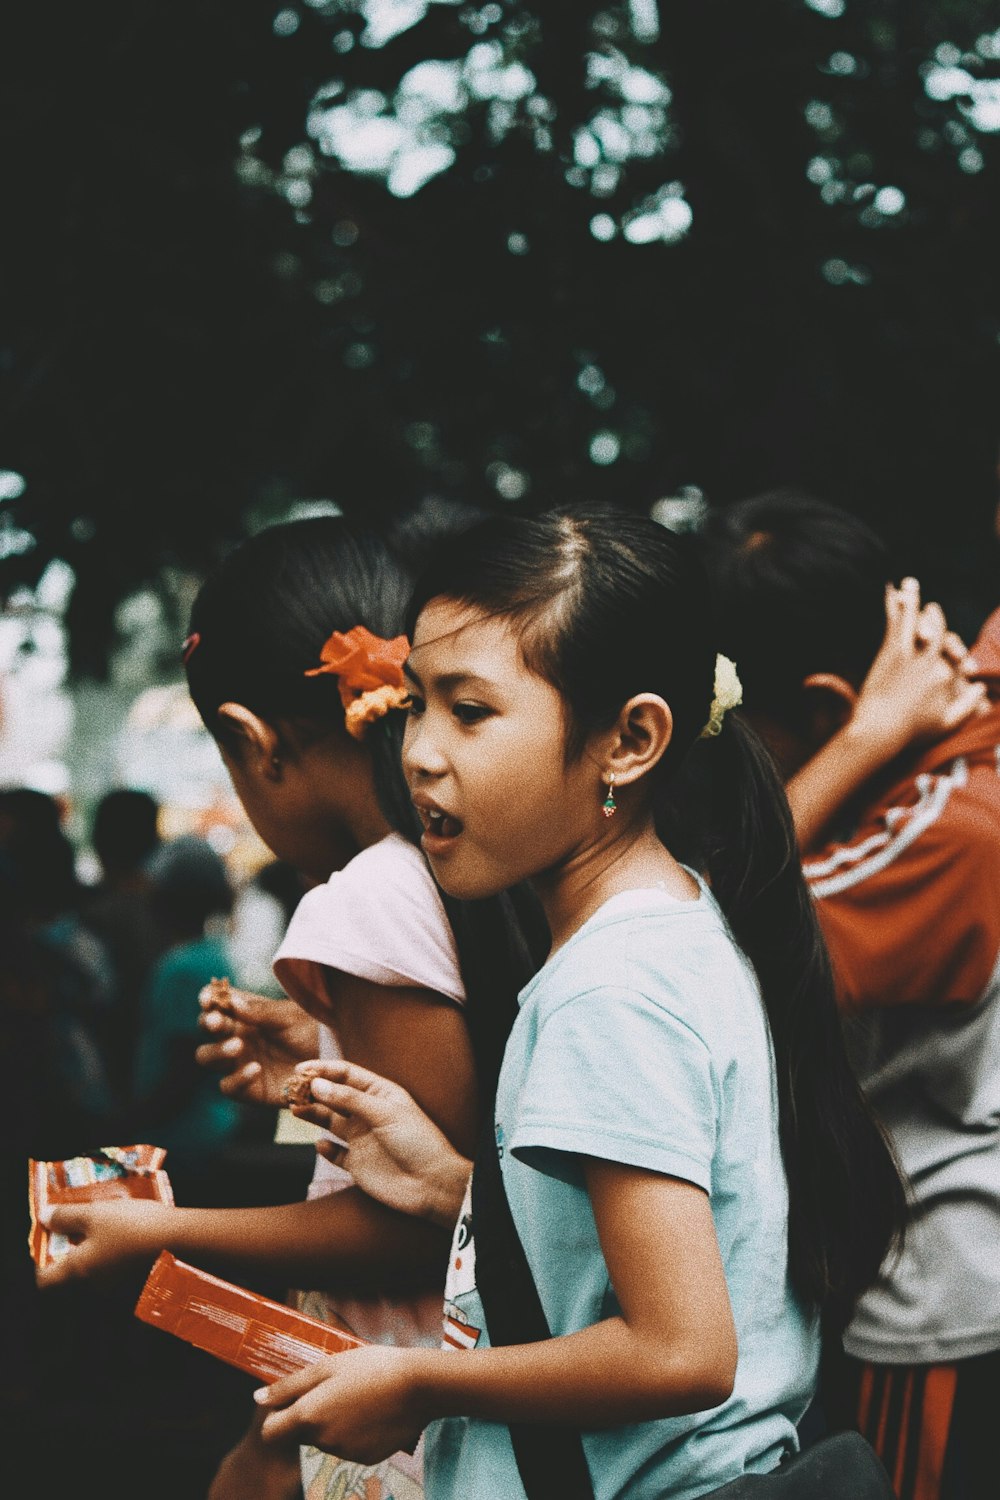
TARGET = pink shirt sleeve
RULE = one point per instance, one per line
(380, 918)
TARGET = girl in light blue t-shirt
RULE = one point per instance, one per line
(689, 1165)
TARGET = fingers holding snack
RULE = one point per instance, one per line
(242, 1074)
(247, 1084)
(339, 1095)
(391, 1148)
(217, 996)
(335, 1152)
(217, 1023)
(240, 1012)
(253, 1041)
(363, 1405)
(100, 1239)
(66, 1230)
(220, 1009)
(222, 1053)
(296, 1089)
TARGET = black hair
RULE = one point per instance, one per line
(32, 836)
(190, 884)
(283, 883)
(800, 588)
(124, 831)
(608, 605)
(260, 621)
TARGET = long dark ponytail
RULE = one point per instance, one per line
(607, 605)
(726, 812)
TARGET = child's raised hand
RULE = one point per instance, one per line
(362, 1405)
(918, 687)
(255, 1040)
(394, 1151)
(107, 1238)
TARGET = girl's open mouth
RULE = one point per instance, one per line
(440, 829)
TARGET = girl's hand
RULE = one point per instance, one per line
(362, 1405)
(255, 1041)
(108, 1237)
(394, 1152)
(266, 1471)
(918, 687)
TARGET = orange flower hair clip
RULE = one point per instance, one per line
(369, 672)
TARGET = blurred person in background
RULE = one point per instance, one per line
(119, 910)
(55, 1100)
(262, 911)
(73, 1360)
(888, 736)
(72, 967)
(174, 1103)
(44, 1112)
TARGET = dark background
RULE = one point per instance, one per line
(199, 329)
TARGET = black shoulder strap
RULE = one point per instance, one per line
(550, 1458)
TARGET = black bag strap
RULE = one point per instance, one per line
(550, 1458)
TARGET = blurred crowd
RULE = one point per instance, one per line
(101, 982)
(99, 988)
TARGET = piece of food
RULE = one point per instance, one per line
(220, 992)
(297, 1088)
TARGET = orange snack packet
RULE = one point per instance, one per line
(263, 1338)
(111, 1172)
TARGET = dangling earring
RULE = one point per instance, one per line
(609, 806)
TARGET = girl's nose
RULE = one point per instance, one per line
(421, 756)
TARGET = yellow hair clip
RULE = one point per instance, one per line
(728, 694)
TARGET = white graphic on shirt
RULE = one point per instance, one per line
(458, 1332)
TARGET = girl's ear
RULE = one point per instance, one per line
(830, 700)
(640, 738)
(258, 741)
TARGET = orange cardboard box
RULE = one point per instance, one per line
(263, 1338)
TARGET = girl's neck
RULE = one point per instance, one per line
(341, 802)
(630, 859)
(358, 829)
(367, 824)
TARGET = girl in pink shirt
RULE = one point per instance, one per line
(294, 662)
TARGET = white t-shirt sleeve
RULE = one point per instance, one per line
(380, 918)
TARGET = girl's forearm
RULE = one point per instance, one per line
(444, 1189)
(831, 778)
(344, 1238)
(604, 1376)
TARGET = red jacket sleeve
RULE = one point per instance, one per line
(911, 909)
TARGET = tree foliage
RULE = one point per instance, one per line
(380, 251)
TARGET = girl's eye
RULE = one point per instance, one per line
(470, 713)
(415, 706)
